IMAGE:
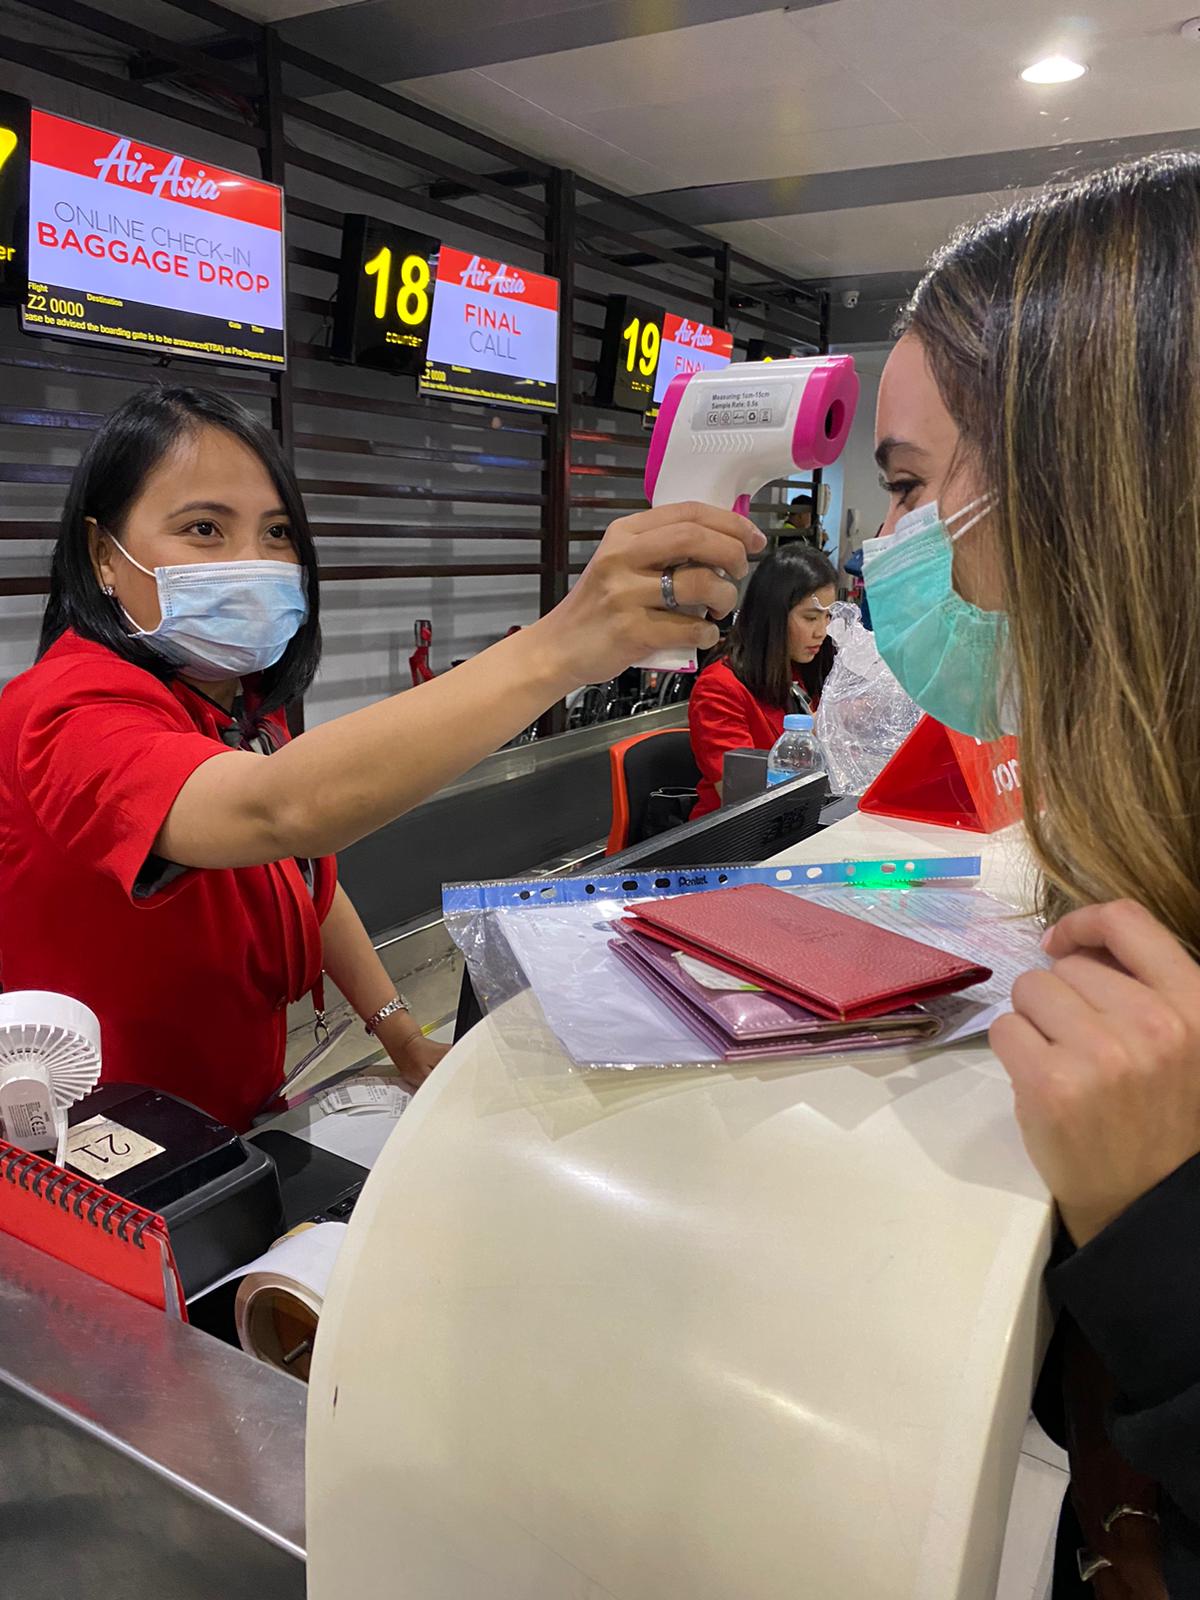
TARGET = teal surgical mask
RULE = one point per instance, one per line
(951, 657)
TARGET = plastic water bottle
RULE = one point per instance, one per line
(796, 753)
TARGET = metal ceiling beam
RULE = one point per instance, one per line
(755, 199)
(390, 41)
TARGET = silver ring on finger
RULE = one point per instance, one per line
(667, 585)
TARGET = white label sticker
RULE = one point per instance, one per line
(103, 1149)
(743, 406)
(27, 1120)
(365, 1094)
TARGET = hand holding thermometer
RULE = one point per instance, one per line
(721, 436)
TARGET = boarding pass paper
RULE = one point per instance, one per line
(713, 978)
(365, 1094)
(604, 1015)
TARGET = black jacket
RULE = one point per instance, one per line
(1134, 1291)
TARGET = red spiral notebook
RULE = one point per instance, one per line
(838, 966)
(78, 1222)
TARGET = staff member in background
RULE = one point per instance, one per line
(853, 564)
(802, 526)
(776, 660)
(166, 854)
(1038, 427)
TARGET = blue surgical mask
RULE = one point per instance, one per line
(951, 657)
(223, 619)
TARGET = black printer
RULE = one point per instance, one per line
(218, 1193)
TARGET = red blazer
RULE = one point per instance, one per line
(723, 715)
(190, 975)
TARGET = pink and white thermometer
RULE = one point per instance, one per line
(721, 436)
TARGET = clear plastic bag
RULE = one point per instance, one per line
(553, 936)
(864, 716)
(599, 1013)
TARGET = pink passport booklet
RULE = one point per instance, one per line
(741, 1025)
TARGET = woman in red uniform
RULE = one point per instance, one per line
(778, 658)
(153, 862)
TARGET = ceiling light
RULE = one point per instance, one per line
(1054, 69)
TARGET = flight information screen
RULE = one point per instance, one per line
(493, 335)
(135, 246)
(689, 346)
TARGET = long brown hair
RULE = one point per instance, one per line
(758, 642)
(1064, 337)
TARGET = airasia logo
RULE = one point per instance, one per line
(695, 334)
(127, 166)
(476, 275)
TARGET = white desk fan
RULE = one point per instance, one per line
(49, 1059)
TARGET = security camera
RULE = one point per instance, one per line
(849, 298)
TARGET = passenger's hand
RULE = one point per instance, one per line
(1104, 1054)
(615, 616)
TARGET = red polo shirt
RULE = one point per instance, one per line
(191, 974)
(723, 715)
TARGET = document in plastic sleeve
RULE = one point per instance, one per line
(964, 923)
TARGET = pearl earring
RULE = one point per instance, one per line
(109, 590)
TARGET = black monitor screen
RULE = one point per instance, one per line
(741, 835)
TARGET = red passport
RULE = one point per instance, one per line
(837, 966)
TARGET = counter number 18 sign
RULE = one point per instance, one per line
(385, 296)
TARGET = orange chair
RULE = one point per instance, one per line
(638, 766)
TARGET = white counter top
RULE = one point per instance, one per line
(743, 1333)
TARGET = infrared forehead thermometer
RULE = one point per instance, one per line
(722, 436)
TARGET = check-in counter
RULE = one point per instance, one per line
(139, 1457)
(754, 1331)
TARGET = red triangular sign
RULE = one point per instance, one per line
(950, 779)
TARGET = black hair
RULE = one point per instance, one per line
(802, 500)
(130, 443)
(758, 642)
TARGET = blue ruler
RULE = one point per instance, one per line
(646, 885)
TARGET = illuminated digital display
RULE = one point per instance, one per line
(131, 245)
(385, 296)
(629, 353)
(689, 346)
(493, 333)
(14, 195)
